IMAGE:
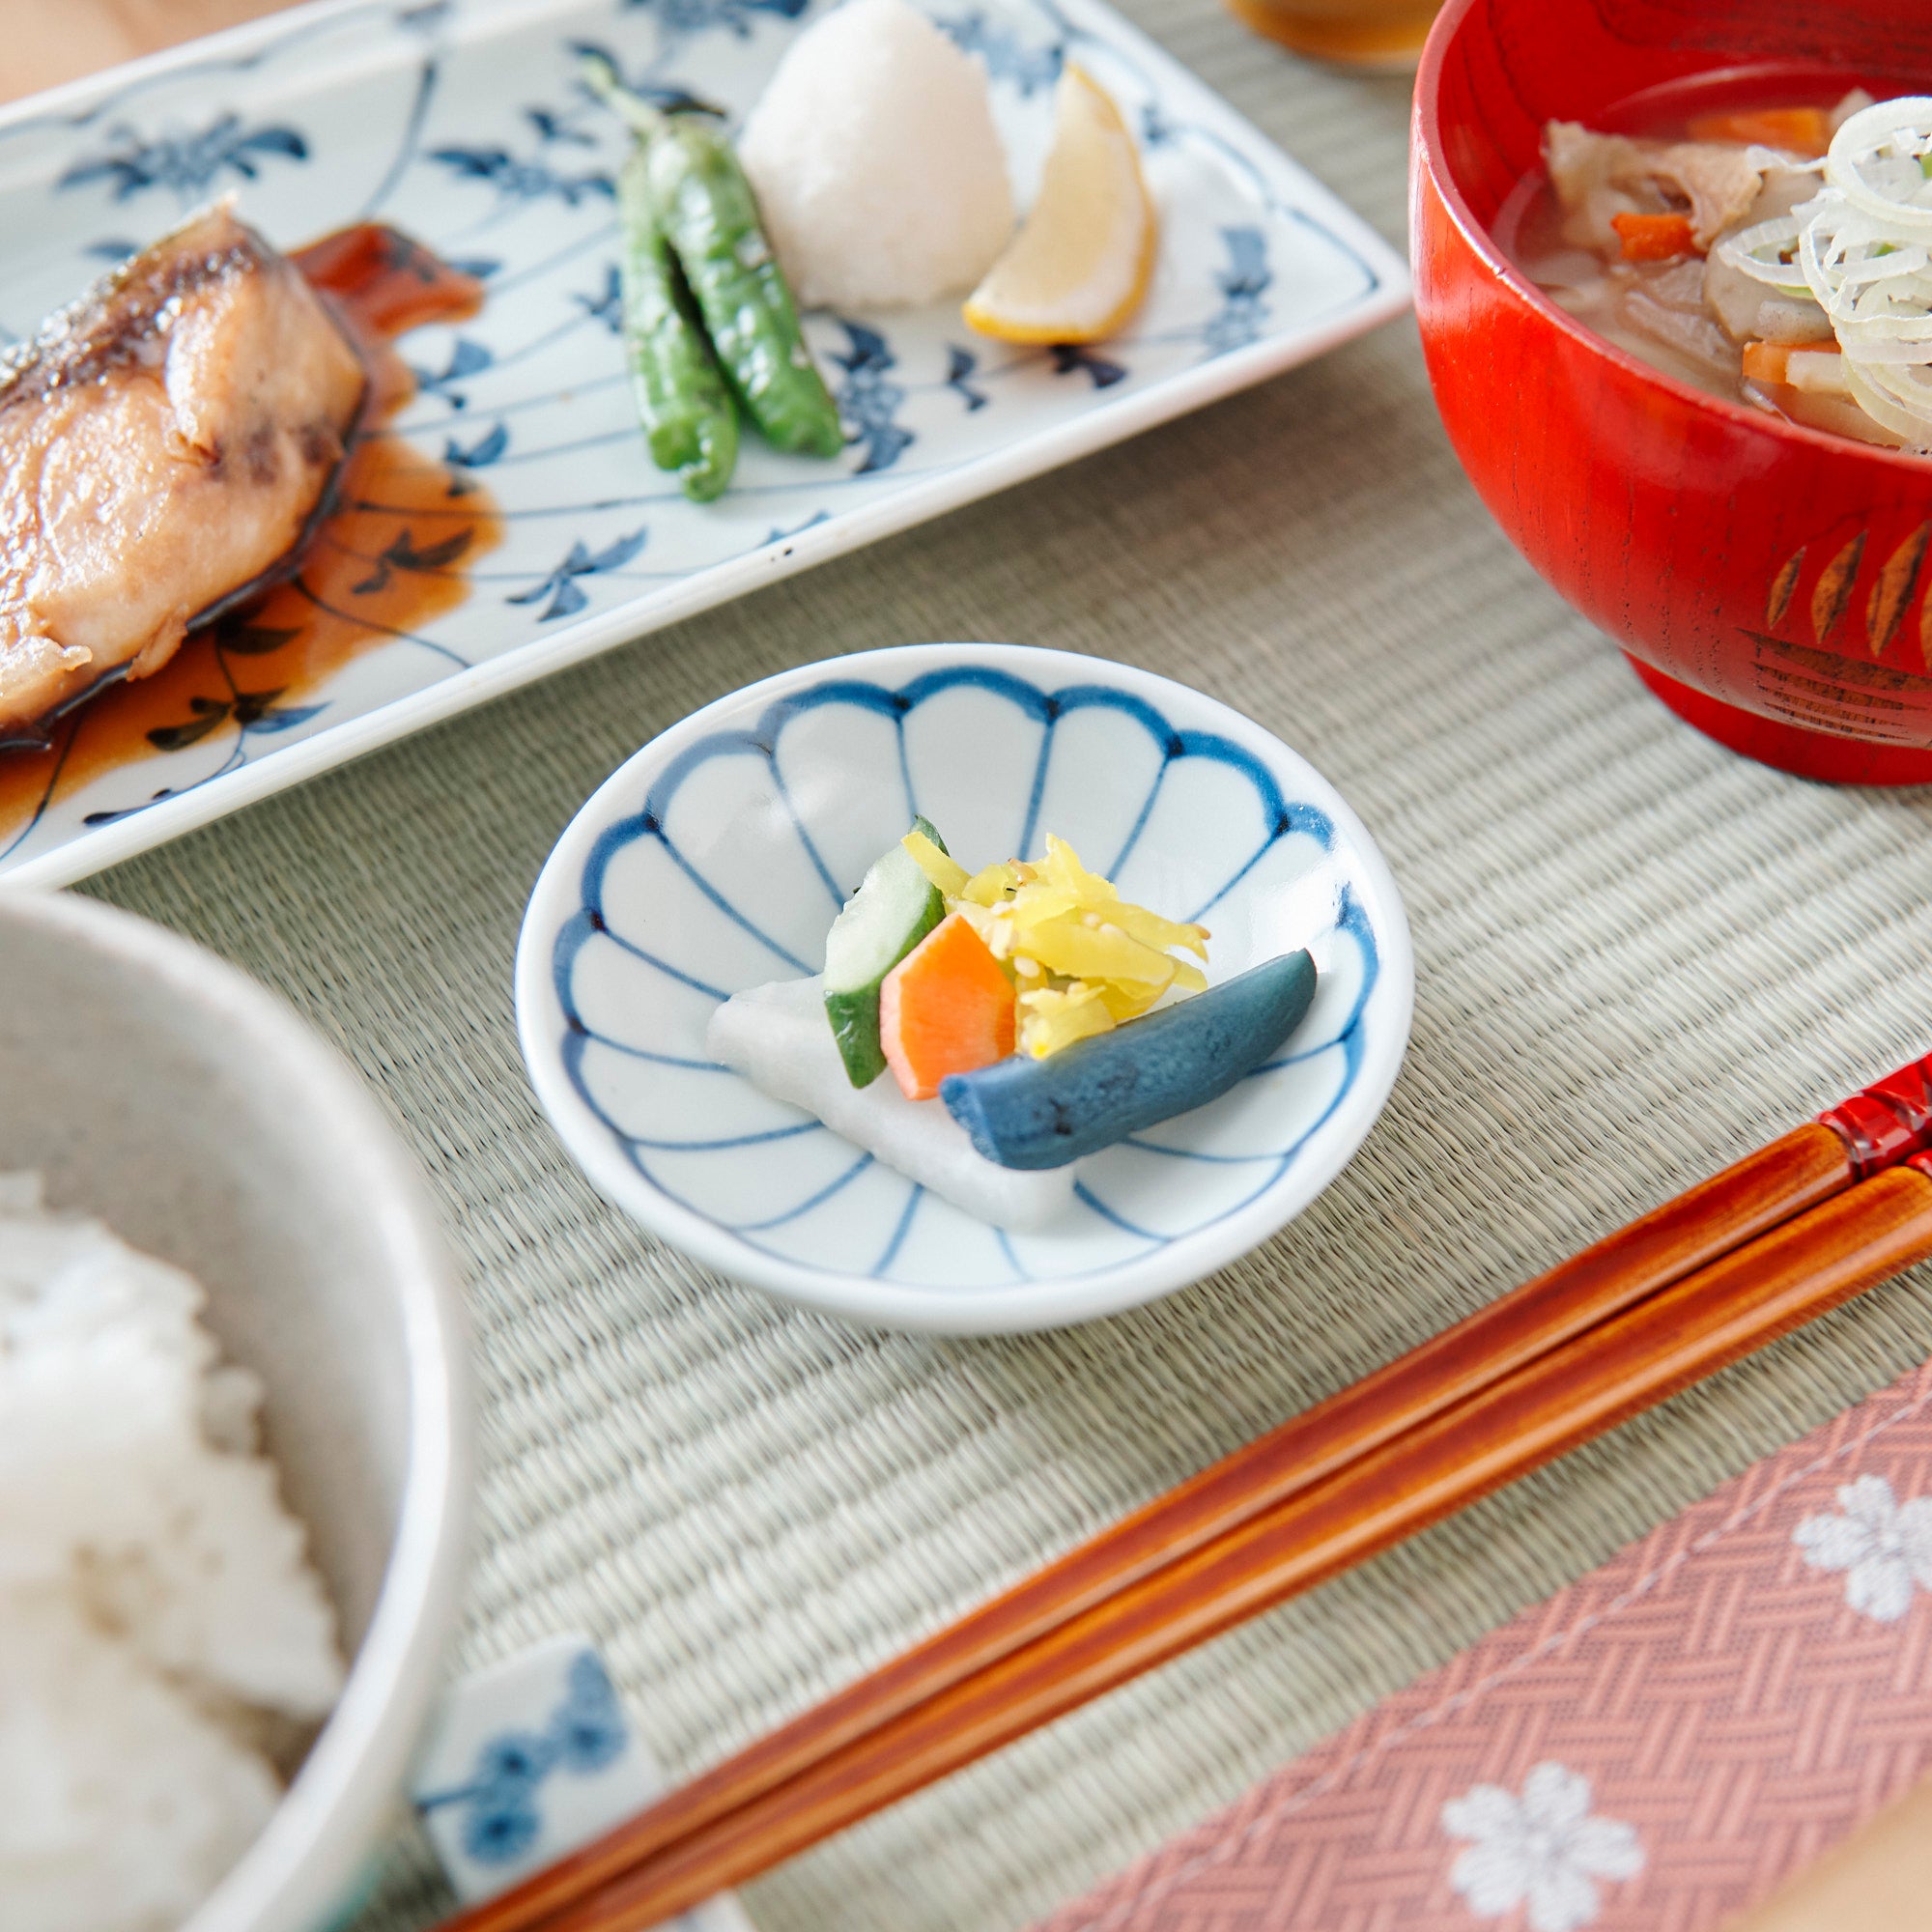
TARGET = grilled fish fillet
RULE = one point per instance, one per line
(164, 445)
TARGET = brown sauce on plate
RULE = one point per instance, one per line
(368, 573)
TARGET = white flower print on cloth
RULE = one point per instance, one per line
(1882, 1545)
(1545, 1848)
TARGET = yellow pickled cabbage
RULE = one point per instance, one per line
(1083, 958)
(942, 871)
(1050, 1020)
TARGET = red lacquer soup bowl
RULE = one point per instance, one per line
(1770, 582)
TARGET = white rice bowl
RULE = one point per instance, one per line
(163, 1639)
(878, 170)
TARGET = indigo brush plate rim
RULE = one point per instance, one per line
(461, 121)
(715, 858)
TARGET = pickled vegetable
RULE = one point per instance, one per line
(1030, 1114)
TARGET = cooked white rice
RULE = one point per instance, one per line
(878, 171)
(158, 1617)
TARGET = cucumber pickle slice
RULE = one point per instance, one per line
(896, 906)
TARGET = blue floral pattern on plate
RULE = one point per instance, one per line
(463, 122)
(499, 1803)
(716, 859)
(188, 164)
(531, 1758)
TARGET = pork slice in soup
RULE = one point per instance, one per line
(1628, 234)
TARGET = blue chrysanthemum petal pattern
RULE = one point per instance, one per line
(1164, 1197)
(940, 1246)
(732, 829)
(728, 872)
(627, 999)
(841, 1225)
(1108, 767)
(840, 763)
(1343, 952)
(644, 1101)
(750, 1197)
(729, 936)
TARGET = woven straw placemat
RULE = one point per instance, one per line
(1637, 956)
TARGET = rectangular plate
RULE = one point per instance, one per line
(462, 122)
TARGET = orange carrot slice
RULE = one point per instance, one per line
(1798, 131)
(946, 1007)
(1653, 237)
(1817, 366)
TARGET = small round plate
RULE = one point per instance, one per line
(718, 855)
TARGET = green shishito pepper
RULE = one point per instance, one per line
(712, 221)
(698, 201)
(690, 421)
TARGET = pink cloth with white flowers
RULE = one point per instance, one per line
(1651, 1751)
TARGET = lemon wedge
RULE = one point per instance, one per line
(1080, 264)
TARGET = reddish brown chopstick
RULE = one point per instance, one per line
(1874, 1128)
(1709, 1318)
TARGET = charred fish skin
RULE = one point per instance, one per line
(166, 444)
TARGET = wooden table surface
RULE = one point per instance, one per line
(47, 41)
(1880, 1882)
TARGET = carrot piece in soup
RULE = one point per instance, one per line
(1653, 237)
(1798, 131)
(1818, 367)
(946, 1007)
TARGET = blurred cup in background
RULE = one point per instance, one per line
(1352, 33)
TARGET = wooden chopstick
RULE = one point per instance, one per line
(1709, 1319)
(1875, 1128)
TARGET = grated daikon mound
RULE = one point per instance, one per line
(878, 171)
(158, 1617)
